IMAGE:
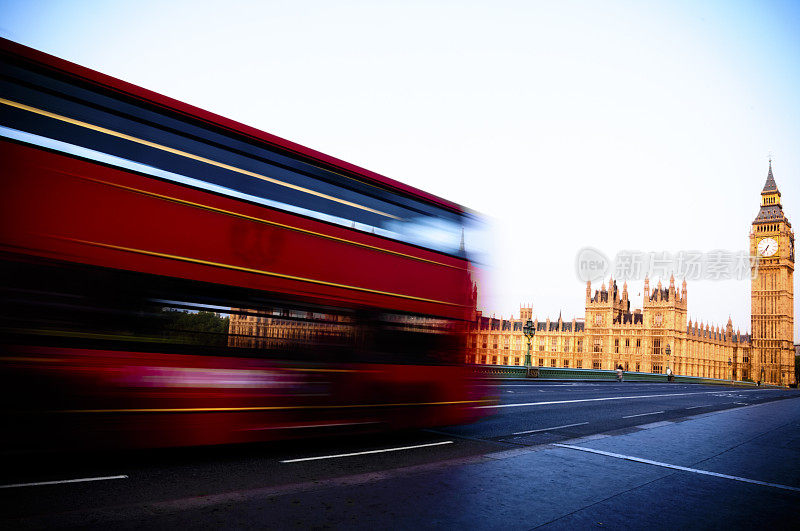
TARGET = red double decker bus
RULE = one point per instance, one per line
(172, 277)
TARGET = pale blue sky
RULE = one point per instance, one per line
(617, 125)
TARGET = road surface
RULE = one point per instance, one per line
(554, 455)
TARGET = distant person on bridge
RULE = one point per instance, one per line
(670, 376)
(619, 373)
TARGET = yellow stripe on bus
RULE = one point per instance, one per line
(269, 408)
(258, 271)
(262, 220)
(192, 156)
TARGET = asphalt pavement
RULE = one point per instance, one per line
(559, 455)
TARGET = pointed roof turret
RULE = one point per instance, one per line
(771, 210)
(770, 187)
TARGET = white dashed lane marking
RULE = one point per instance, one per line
(642, 414)
(60, 482)
(548, 429)
(400, 448)
(603, 399)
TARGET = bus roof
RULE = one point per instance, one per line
(104, 81)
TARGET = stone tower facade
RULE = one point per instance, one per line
(772, 290)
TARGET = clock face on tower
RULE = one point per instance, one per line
(767, 247)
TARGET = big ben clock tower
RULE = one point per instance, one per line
(772, 290)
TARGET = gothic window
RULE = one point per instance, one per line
(541, 362)
(553, 344)
(566, 364)
(579, 364)
(596, 364)
(552, 362)
(598, 319)
(598, 345)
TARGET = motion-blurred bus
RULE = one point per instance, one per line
(172, 277)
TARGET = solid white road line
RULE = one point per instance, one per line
(81, 480)
(548, 429)
(366, 452)
(695, 407)
(603, 399)
(677, 467)
(643, 414)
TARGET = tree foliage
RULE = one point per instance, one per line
(195, 327)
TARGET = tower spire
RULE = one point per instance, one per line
(770, 187)
(771, 210)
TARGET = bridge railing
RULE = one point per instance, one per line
(555, 373)
(500, 371)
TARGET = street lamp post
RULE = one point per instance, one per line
(668, 351)
(730, 370)
(529, 332)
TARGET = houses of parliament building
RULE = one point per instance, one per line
(658, 335)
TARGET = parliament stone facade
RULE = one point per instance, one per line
(611, 334)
